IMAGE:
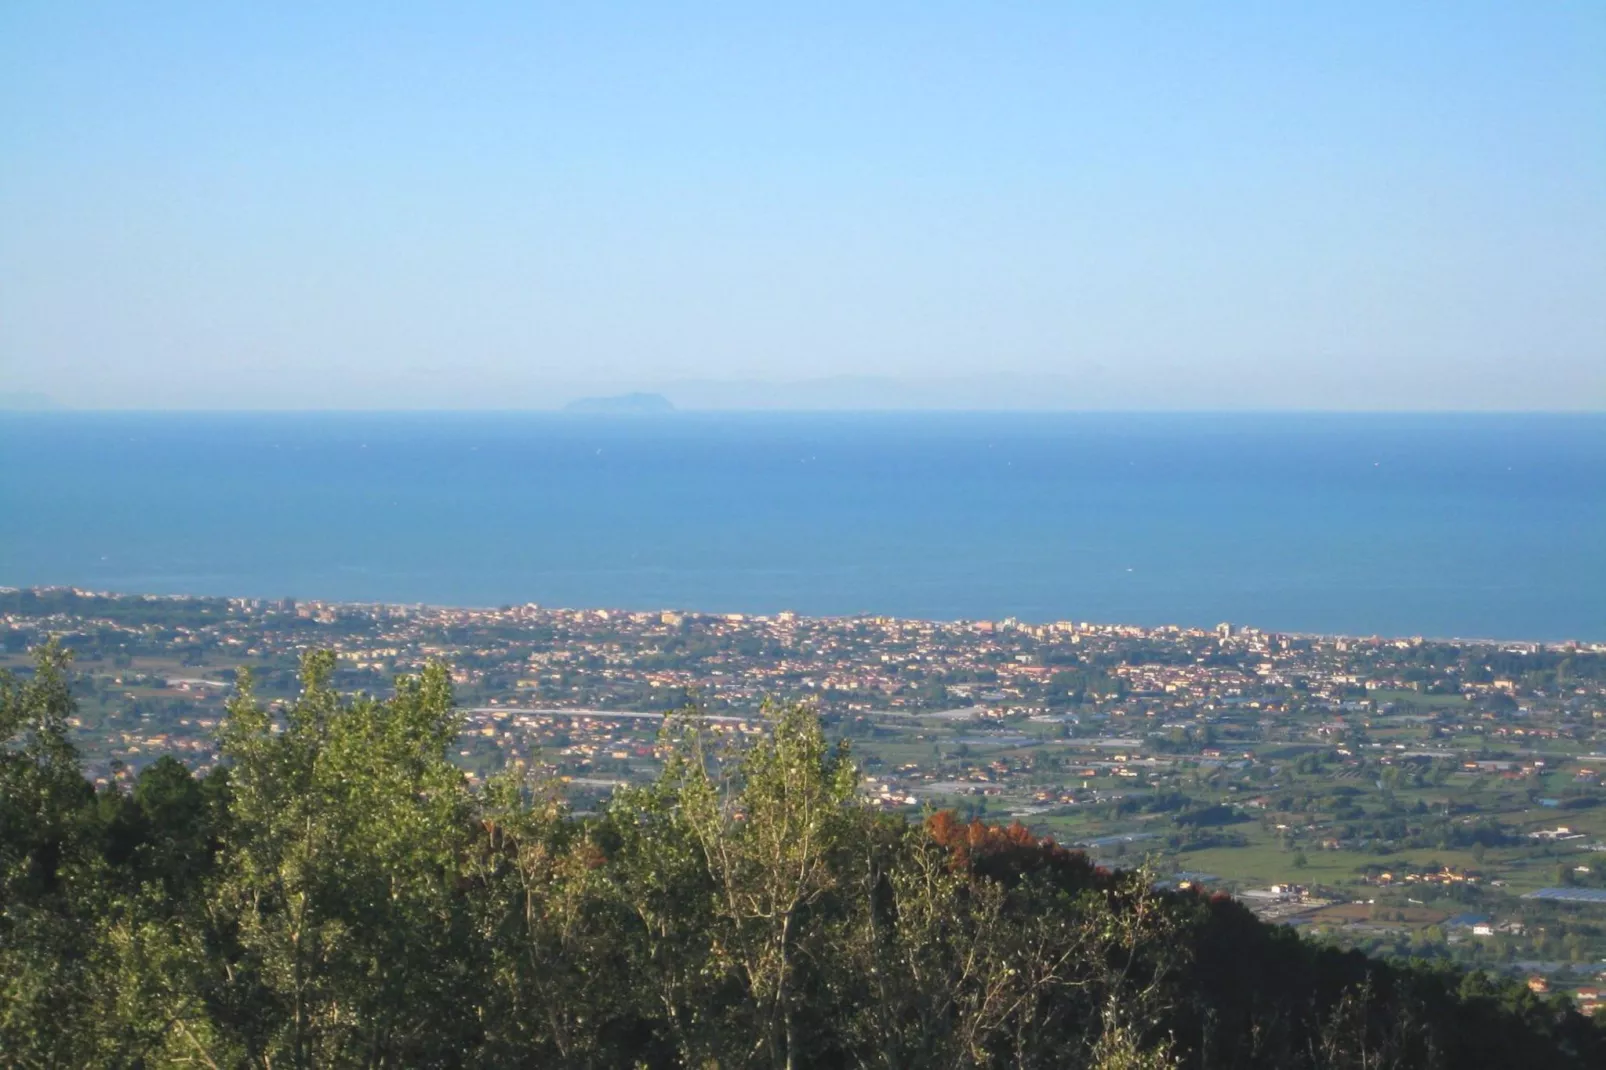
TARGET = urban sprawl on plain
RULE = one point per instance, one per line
(1407, 796)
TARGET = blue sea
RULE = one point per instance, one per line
(1438, 525)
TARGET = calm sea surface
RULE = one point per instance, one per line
(1435, 525)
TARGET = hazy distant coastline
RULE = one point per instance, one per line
(28, 401)
(1096, 388)
(633, 404)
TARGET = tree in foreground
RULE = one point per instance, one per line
(336, 895)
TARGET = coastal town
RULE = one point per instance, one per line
(1409, 796)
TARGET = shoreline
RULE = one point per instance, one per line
(981, 625)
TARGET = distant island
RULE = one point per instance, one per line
(632, 404)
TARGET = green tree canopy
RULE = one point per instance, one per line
(336, 894)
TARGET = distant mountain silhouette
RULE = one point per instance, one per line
(622, 403)
(26, 400)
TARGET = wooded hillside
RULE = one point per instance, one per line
(337, 895)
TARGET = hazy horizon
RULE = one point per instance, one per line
(837, 394)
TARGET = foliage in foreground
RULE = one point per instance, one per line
(336, 895)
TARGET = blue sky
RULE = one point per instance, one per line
(1082, 205)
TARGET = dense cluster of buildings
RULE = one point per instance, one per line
(1167, 689)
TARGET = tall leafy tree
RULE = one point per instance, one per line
(340, 895)
(51, 888)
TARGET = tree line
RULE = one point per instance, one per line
(337, 894)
